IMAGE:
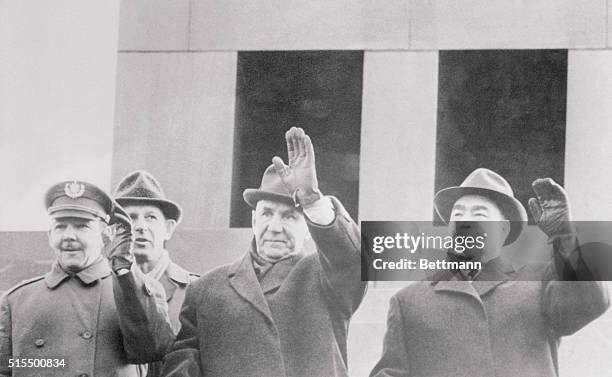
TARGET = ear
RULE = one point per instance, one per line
(108, 232)
(170, 227)
(253, 221)
(506, 228)
(49, 239)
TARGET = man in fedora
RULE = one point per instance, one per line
(94, 313)
(496, 321)
(154, 220)
(278, 311)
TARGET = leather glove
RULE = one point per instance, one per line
(118, 250)
(300, 176)
(551, 209)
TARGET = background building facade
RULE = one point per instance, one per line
(197, 91)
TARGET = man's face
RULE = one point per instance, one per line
(279, 229)
(77, 242)
(151, 230)
(476, 215)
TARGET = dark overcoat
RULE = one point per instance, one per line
(96, 321)
(505, 323)
(294, 324)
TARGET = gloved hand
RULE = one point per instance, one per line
(121, 242)
(551, 209)
(300, 177)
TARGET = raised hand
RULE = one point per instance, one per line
(300, 176)
(551, 208)
(118, 250)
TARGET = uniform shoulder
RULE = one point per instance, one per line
(24, 283)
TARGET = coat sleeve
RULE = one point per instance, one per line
(394, 359)
(183, 359)
(570, 299)
(6, 346)
(143, 316)
(339, 248)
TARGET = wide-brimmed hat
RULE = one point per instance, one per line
(271, 188)
(141, 188)
(487, 183)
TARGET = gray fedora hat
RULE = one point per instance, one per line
(141, 187)
(487, 183)
(271, 188)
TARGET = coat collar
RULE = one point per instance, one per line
(177, 274)
(494, 273)
(242, 278)
(173, 277)
(98, 270)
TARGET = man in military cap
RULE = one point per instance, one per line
(154, 219)
(278, 311)
(496, 321)
(94, 313)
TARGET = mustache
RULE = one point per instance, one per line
(70, 246)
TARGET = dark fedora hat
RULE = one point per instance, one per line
(271, 188)
(141, 188)
(487, 183)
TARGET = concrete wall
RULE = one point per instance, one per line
(174, 111)
(397, 158)
(57, 93)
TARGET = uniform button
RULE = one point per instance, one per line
(39, 342)
(86, 335)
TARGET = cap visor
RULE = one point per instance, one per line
(74, 213)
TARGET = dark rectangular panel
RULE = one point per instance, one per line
(503, 110)
(319, 91)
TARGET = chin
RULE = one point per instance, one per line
(276, 253)
(142, 251)
(72, 263)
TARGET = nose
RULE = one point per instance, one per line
(139, 224)
(275, 224)
(69, 233)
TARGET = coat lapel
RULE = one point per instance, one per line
(242, 278)
(169, 286)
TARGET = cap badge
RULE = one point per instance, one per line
(74, 189)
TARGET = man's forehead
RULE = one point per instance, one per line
(275, 205)
(475, 200)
